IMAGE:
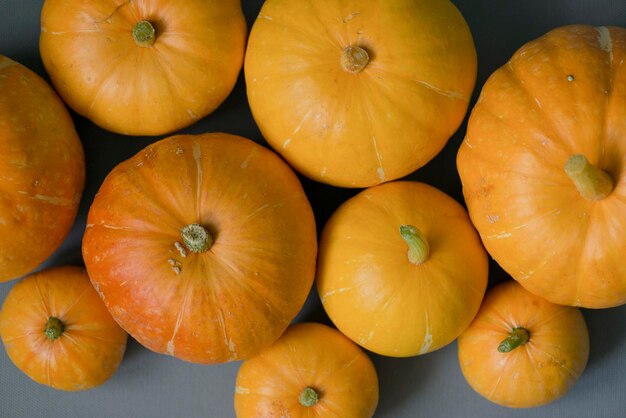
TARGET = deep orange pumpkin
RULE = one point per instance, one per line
(57, 331)
(42, 170)
(202, 247)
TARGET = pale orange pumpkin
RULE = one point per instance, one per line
(542, 166)
(522, 351)
(143, 67)
(311, 371)
(355, 93)
(42, 170)
(202, 247)
(401, 269)
(57, 331)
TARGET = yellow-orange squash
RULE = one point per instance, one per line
(42, 170)
(143, 67)
(311, 371)
(57, 331)
(401, 269)
(522, 351)
(542, 166)
(202, 247)
(355, 93)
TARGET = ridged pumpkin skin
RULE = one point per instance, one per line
(311, 356)
(561, 95)
(89, 349)
(223, 304)
(373, 292)
(42, 170)
(535, 373)
(101, 72)
(359, 129)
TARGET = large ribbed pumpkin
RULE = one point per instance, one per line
(202, 247)
(42, 170)
(355, 93)
(143, 67)
(542, 166)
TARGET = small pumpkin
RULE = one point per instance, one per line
(522, 351)
(57, 331)
(401, 269)
(202, 247)
(356, 93)
(542, 166)
(42, 170)
(311, 371)
(144, 67)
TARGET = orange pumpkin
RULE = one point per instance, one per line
(144, 67)
(202, 247)
(542, 166)
(57, 331)
(401, 269)
(355, 93)
(522, 351)
(42, 170)
(311, 371)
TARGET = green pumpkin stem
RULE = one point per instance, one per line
(518, 336)
(418, 246)
(54, 328)
(144, 33)
(309, 397)
(592, 182)
(196, 238)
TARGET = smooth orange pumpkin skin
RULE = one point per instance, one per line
(103, 74)
(89, 350)
(230, 302)
(536, 373)
(375, 295)
(42, 170)
(528, 121)
(359, 130)
(308, 355)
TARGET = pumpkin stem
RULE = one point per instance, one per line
(592, 182)
(54, 328)
(418, 246)
(196, 238)
(518, 336)
(309, 397)
(144, 33)
(354, 59)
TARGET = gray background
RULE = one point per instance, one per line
(152, 385)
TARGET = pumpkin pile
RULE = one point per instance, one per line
(204, 247)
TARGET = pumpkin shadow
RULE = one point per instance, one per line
(607, 335)
(133, 350)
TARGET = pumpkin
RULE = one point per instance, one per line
(202, 247)
(356, 93)
(311, 371)
(401, 269)
(542, 166)
(144, 67)
(42, 170)
(57, 331)
(522, 351)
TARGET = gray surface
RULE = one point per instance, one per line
(151, 385)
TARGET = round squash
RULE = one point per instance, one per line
(355, 93)
(542, 166)
(522, 351)
(202, 247)
(311, 371)
(401, 269)
(57, 331)
(144, 67)
(42, 170)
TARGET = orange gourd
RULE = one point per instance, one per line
(311, 371)
(42, 170)
(202, 247)
(401, 269)
(542, 166)
(356, 93)
(143, 67)
(522, 351)
(57, 331)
